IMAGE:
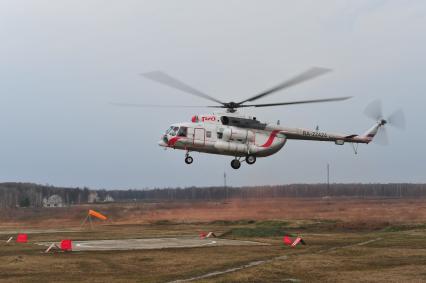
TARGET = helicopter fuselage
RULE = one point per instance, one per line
(218, 134)
(243, 136)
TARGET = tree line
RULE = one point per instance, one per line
(31, 195)
(292, 190)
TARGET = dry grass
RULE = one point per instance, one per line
(361, 211)
(375, 262)
(119, 266)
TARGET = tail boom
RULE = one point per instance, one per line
(305, 134)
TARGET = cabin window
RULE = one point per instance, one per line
(183, 131)
(208, 134)
(219, 135)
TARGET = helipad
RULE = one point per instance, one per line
(153, 243)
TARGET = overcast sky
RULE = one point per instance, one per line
(63, 62)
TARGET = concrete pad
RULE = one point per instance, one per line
(153, 243)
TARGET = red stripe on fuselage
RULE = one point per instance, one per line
(173, 141)
(271, 138)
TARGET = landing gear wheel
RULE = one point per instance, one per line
(236, 164)
(188, 160)
(250, 159)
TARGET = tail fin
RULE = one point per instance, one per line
(371, 133)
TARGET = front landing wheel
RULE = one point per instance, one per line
(236, 164)
(250, 159)
(188, 160)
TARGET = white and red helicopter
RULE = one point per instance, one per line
(245, 137)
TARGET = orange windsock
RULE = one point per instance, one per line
(97, 215)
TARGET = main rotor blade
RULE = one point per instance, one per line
(397, 119)
(169, 81)
(137, 105)
(297, 102)
(374, 110)
(307, 75)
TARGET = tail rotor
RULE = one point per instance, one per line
(396, 119)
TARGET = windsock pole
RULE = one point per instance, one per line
(90, 221)
(84, 221)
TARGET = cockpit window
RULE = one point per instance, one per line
(174, 131)
(169, 129)
(182, 132)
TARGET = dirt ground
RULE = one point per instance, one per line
(348, 240)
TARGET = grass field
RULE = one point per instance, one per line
(358, 242)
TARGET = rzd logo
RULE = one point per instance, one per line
(209, 118)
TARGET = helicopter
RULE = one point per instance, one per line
(246, 138)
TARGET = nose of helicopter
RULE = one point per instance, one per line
(163, 141)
